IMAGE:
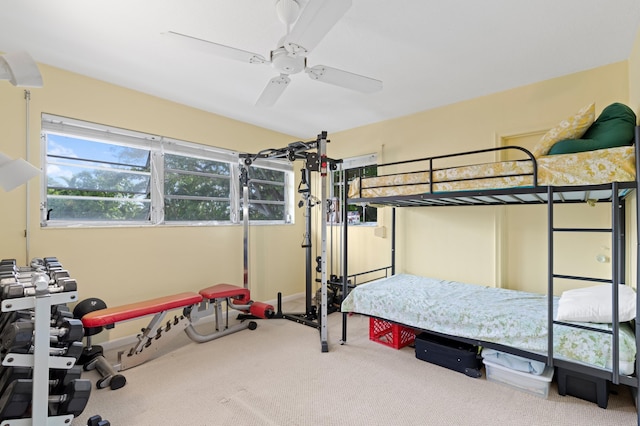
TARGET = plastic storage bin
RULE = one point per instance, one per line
(537, 385)
(594, 389)
(390, 334)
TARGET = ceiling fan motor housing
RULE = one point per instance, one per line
(287, 64)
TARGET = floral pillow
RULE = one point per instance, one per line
(570, 128)
(613, 128)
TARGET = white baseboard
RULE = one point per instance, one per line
(120, 342)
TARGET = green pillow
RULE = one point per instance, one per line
(614, 127)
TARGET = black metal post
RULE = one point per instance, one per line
(393, 241)
(345, 246)
(550, 229)
(615, 281)
(308, 253)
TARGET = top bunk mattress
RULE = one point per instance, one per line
(507, 317)
(584, 168)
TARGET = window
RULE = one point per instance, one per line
(94, 181)
(362, 166)
(196, 189)
(267, 194)
(101, 175)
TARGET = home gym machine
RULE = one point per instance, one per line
(315, 159)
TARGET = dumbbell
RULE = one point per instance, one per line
(17, 289)
(12, 267)
(53, 266)
(73, 350)
(12, 290)
(58, 314)
(109, 375)
(17, 397)
(19, 273)
(75, 398)
(36, 262)
(61, 278)
(58, 378)
(97, 421)
(70, 330)
(9, 317)
(8, 275)
(8, 262)
(57, 274)
(9, 374)
(37, 265)
(20, 333)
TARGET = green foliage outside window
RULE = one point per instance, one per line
(364, 214)
(98, 181)
(266, 194)
(196, 189)
(106, 183)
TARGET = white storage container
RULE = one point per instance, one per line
(537, 385)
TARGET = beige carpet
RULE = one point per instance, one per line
(277, 375)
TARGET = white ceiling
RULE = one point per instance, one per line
(428, 53)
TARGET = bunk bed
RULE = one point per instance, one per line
(514, 322)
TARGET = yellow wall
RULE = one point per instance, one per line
(634, 75)
(634, 103)
(473, 244)
(124, 265)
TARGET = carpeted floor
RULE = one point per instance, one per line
(277, 375)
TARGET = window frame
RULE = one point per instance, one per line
(348, 164)
(158, 147)
(288, 184)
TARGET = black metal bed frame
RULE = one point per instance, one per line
(614, 193)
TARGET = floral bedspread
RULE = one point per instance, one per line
(513, 318)
(584, 168)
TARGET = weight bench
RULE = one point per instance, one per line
(158, 333)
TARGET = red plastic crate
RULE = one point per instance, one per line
(390, 334)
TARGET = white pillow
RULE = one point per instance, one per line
(593, 304)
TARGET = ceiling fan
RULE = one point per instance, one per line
(290, 57)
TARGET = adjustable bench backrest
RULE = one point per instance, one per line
(105, 317)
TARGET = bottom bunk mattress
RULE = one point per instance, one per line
(507, 317)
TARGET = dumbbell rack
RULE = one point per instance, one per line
(40, 361)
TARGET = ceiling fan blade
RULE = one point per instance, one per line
(316, 20)
(345, 79)
(274, 89)
(218, 49)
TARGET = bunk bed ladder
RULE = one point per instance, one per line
(617, 271)
(550, 278)
(635, 390)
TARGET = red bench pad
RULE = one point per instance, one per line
(220, 291)
(116, 314)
